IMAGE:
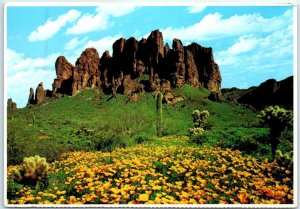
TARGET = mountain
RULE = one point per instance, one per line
(270, 92)
(166, 67)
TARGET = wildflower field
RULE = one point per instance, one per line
(169, 170)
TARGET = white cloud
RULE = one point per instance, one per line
(88, 23)
(17, 61)
(51, 27)
(253, 59)
(103, 44)
(100, 19)
(116, 10)
(243, 45)
(19, 83)
(23, 73)
(74, 43)
(215, 26)
(195, 9)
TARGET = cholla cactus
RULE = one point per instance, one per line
(200, 118)
(31, 170)
(196, 131)
(277, 119)
(285, 160)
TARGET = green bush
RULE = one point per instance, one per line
(285, 160)
(143, 137)
(12, 188)
(107, 141)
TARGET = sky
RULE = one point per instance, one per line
(250, 43)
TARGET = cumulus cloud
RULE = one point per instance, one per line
(51, 27)
(243, 45)
(19, 83)
(88, 23)
(74, 43)
(17, 61)
(100, 19)
(23, 73)
(253, 59)
(195, 9)
(103, 44)
(116, 10)
(215, 26)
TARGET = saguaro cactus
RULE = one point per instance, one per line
(159, 113)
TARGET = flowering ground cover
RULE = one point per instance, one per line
(166, 171)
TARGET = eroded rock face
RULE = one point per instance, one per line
(191, 75)
(39, 93)
(192, 64)
(86, 70)
(64, 70)
(208, 70)
(11, 104)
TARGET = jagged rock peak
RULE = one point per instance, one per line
(192, 64)
(63, 68)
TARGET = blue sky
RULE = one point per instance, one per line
(250, 43)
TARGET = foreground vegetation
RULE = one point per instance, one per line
(107, 150)
(92, 121)
(164, 171)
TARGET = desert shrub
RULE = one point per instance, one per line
(12, 188)
(32, 170)
(285, 160)
(19, 142)
(277, 119)
(143, 137)
(107, 141)
(243, 139)
(51, 149)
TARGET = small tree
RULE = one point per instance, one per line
(277, 119)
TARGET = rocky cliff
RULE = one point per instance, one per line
(120, 72)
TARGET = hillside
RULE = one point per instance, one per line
(125, 134)
(61, 124)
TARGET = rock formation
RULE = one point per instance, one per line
(31, 99)
(39, 94)
(11, 104)
(270, 92)
(131, 59)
